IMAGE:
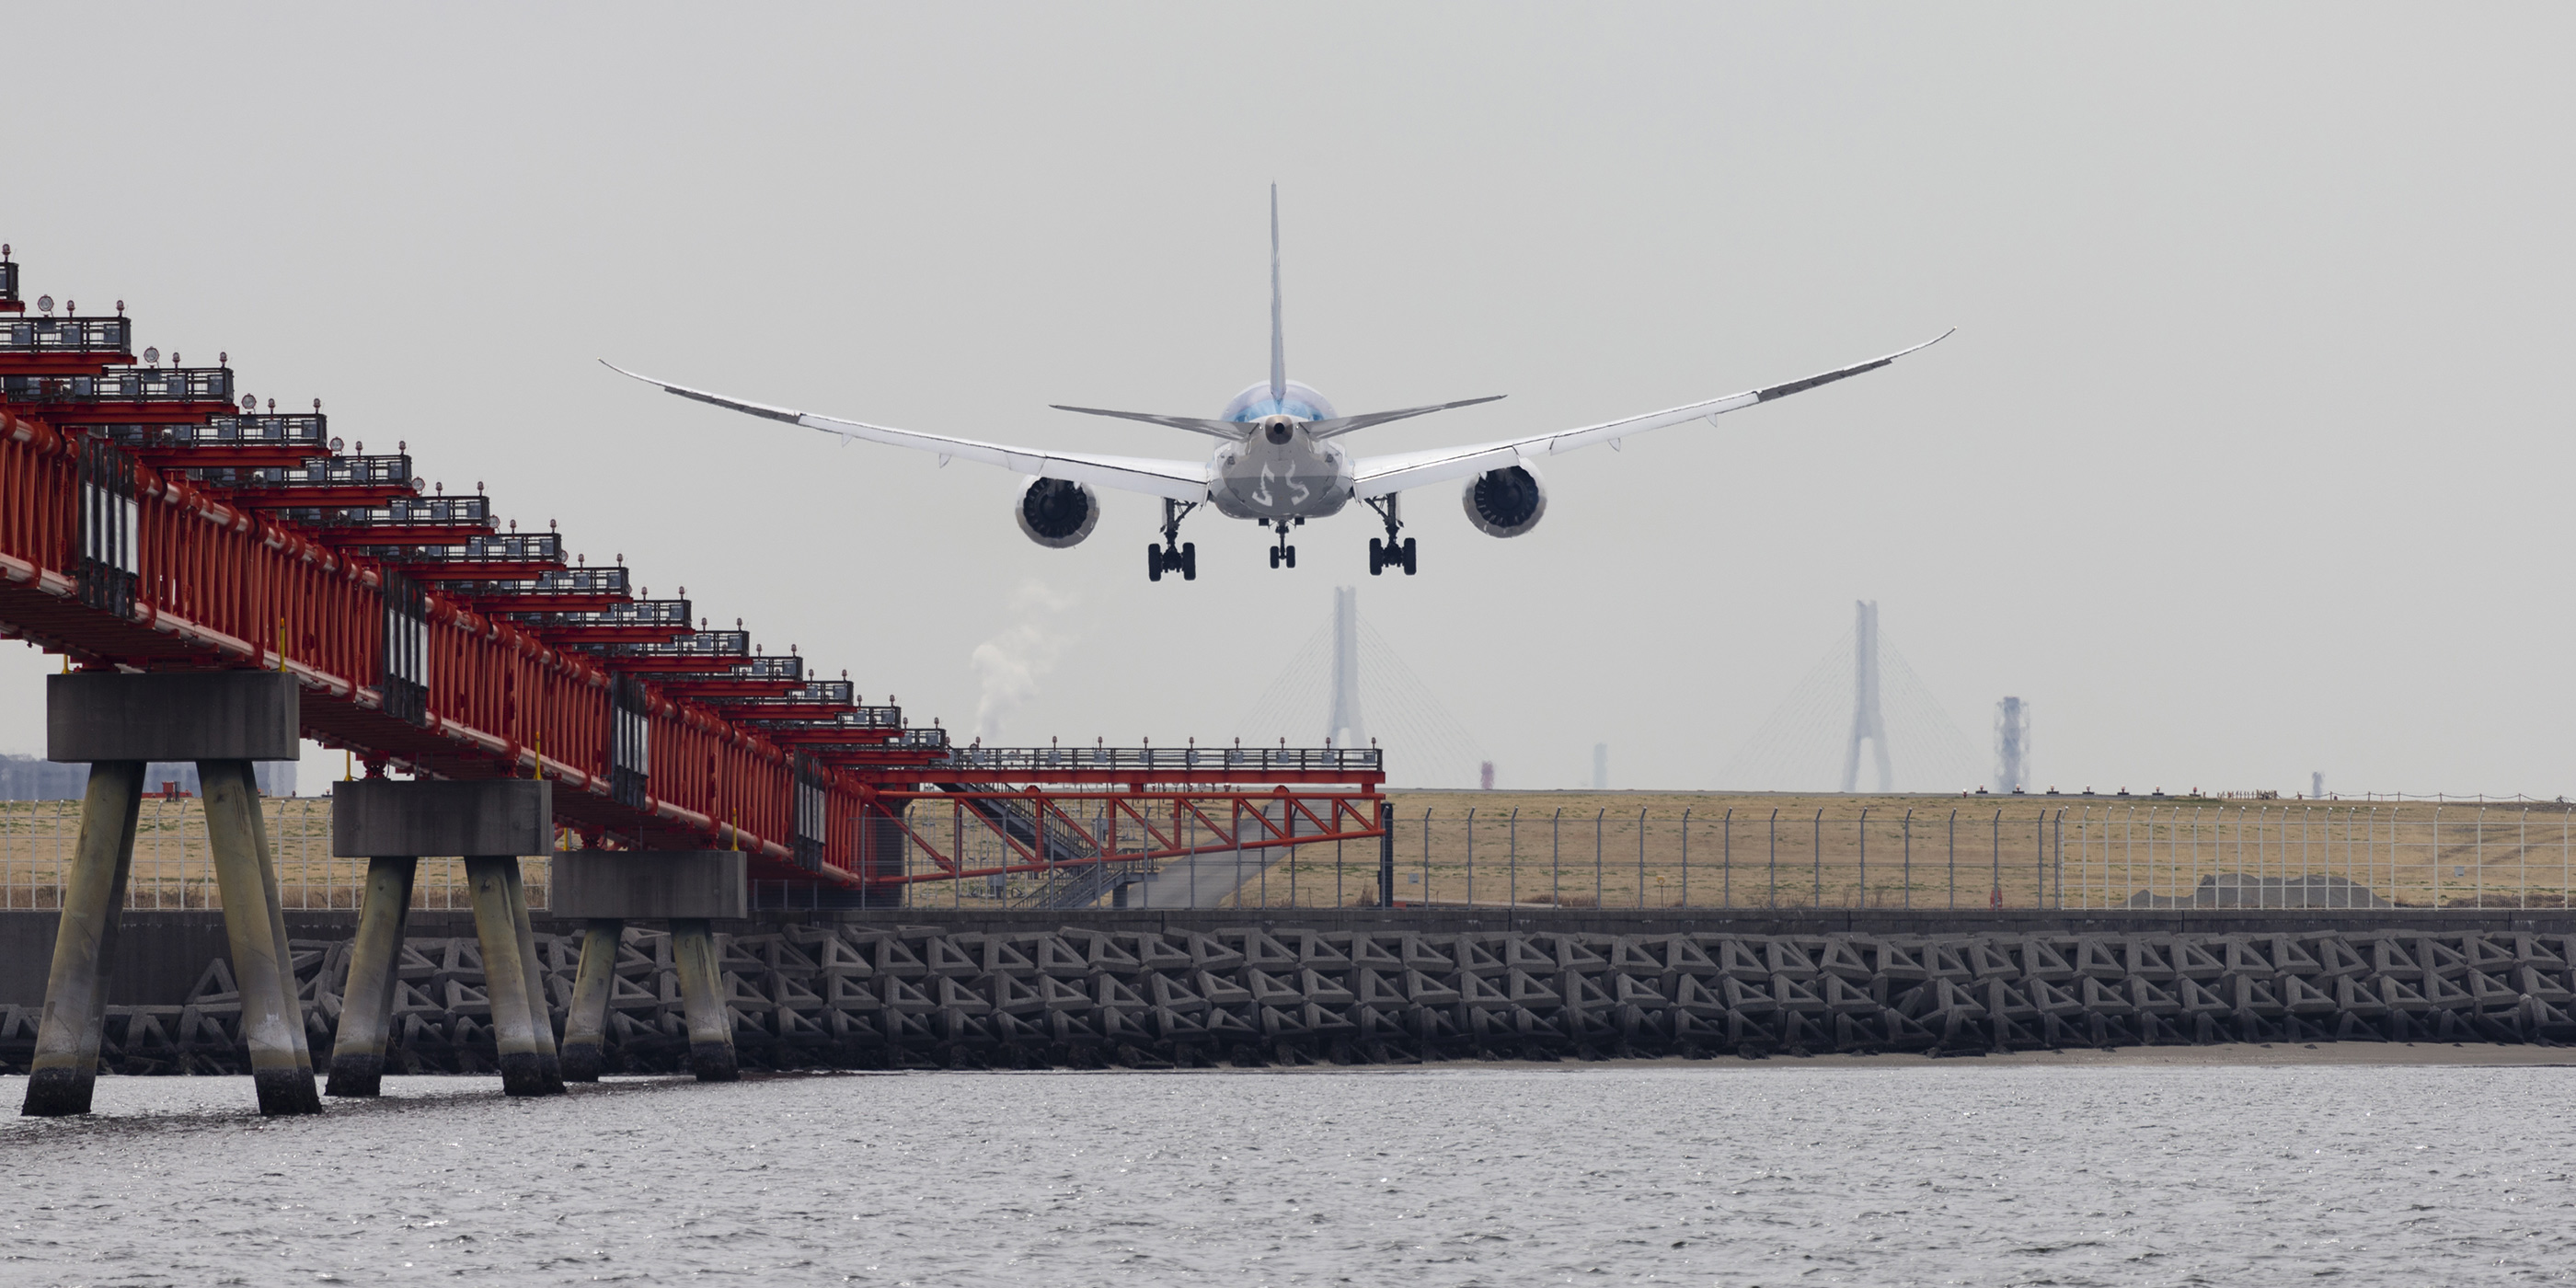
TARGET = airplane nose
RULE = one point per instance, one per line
(1278, 432)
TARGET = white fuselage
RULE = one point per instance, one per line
(1279, 471)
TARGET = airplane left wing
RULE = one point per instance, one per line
(1178, 480)
(1379, 475)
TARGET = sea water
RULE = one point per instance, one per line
(1783, 1172)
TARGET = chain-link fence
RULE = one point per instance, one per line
(1929, 853)
(1568, 851)
(174, 866)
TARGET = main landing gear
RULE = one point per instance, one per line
(1389, 553)
(1282, 554)
(1173, 555)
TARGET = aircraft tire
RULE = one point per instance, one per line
(1153, 562)
(1274, 556)
(1189, 561)
(1408, 557)
(1292, 556)
(1377, 557)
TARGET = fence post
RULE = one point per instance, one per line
(1909, 858)
(1471, 859)
(1954, 858)
(1816, 851)
(1512, 834)
(1864, 858)
(1995, 837)
(1726, 859)
(1597, 817)
(1555, 860)
(1426, 854)
(1774, 826)
(1386, 854)
(1686, 858)
(1641, 856)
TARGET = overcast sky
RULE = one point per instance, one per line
(2249, 458)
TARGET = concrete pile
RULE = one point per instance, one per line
(825, 996)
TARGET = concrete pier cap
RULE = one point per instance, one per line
(382, 818)
(650, 885)
(93, 716)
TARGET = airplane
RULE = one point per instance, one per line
(1279, 460)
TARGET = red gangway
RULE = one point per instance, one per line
(153, 517)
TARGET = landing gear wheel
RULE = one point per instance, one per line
(1153, 562)
(1377, 557)
(1408, 557)
(1291, 552)
(1189, 561)
(1274, 556)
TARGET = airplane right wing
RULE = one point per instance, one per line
(1380, 475)
(1178, 480)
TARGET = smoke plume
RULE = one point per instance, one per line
(1010, 665)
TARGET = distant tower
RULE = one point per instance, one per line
(2317, 786)
(1485, 775)
(1344, 726)
(1866, 723)
(2012, 745)
(1600, 766)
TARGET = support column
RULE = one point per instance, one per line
(65, 1068)
(277, 924)
(586, 1019)
(505, 977)
(693, 952)
(366, 1006)
(491, 822)
(270, 1018)
(116, 722)
(540, 1007)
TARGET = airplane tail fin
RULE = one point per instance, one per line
(1278, 346)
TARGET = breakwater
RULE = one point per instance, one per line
(864, 995)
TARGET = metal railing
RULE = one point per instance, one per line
(130, 385)
(22, 334)
(1153, 759)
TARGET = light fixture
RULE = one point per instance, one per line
(152, 355)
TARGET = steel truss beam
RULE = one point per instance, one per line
(1248, 825)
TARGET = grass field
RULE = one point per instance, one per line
(1625, 850)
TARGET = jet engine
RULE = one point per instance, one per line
(1505, 502)
(1057, 513)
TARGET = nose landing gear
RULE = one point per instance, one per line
(1174, 555)
(1389, 553)
(1282, 554)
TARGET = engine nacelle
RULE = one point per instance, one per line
(1505, 502)
(1057, 513)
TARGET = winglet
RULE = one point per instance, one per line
(1278, 347)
